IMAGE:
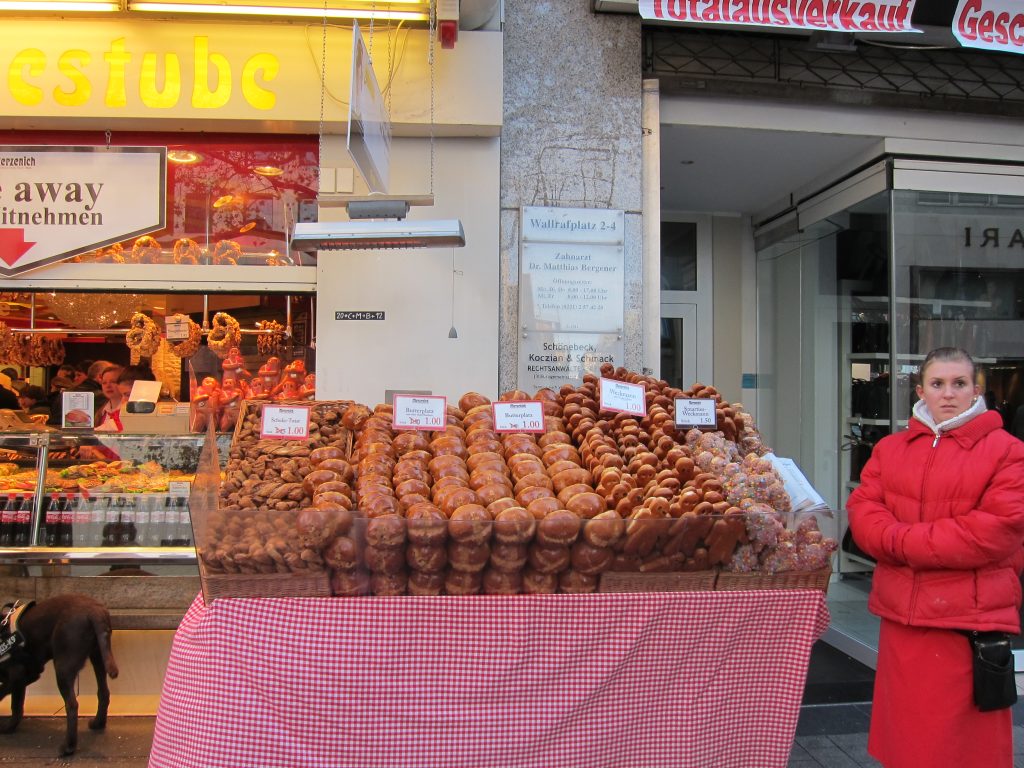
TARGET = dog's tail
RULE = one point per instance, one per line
(101, 626)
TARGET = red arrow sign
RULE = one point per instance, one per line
(13, 245)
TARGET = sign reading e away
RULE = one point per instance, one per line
(58, 202)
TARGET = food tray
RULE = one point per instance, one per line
(218, 585)
(787, 580)
(679, 581)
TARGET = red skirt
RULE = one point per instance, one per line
(923, 713)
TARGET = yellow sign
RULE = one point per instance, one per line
(162, 69)
(160, 78)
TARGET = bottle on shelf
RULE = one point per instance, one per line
(51, 533)
(6, 522)
(67, 521)
(143, 509)
(183, 528)
(23, 519)
(156, 528)
(120, 508)
(97, 520)
(81, 517)
(110, 521)
(129, 519)
(170, 522)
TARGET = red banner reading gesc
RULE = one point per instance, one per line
(839, 15)
(995, 25)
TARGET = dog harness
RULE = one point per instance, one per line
(12, 641)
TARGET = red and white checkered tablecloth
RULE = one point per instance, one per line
(684, 679)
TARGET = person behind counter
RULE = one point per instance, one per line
(32, 400)
(118, 393)
(108, 413)
(940, 506)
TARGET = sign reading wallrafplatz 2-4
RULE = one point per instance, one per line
(58, 202)
(571, 293)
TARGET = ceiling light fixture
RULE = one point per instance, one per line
(310, 237)
(86, 6)
(267, 170)
(297, 11)
(183, 156)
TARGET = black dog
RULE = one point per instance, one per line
(67, 629)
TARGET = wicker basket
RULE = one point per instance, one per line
(687, 581)
(788, 580)
(218, 585)
(248, 406)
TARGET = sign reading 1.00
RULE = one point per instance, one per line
(425, 412)
(285, 422)
(519, 416)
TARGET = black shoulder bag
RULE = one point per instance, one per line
(994, 684)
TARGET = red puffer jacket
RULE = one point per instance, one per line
(944, 518)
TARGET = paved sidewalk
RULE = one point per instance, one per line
(125, 744)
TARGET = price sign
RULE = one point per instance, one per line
(623, 397)
(518, 416)
(77, 410)
(176, 328)
(424, 412)
(285, 422)
(179, 487)
(695, 412)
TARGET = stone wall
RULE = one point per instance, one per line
(571, 138)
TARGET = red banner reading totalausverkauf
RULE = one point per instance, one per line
(996, 25)
(836, 15)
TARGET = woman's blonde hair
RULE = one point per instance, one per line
(947, 355)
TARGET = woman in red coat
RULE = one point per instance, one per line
(941, 508)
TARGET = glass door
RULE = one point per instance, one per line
(679, 344)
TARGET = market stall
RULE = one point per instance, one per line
(659, 679)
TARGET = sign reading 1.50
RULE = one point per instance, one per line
(424, 412)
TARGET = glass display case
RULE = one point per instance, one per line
(96, 497)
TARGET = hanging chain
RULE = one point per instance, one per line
(373, 15)
(323, 92)
(391, 74)
(430, 61)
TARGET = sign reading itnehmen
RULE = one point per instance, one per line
(58, 202)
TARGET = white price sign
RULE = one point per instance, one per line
(518, 416)
(285, 422)
(695, 412)
(179, 487)
(176, 328)
(623, 397)
(77, 410)
(424, 412)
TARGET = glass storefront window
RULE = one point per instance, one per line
(231, 199)
(678, 256)
(960, 283)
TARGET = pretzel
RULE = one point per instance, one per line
(227, 252)
(113, 255)
(270, 343)
(186, 347)
(186, 251)
(143, 337)
(225, 334)
(146, 251)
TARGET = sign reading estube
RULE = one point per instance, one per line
(57, 202)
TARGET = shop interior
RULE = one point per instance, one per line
(851, 293)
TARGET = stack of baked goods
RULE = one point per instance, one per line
(467, 509)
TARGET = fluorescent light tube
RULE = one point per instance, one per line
(374, 235)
